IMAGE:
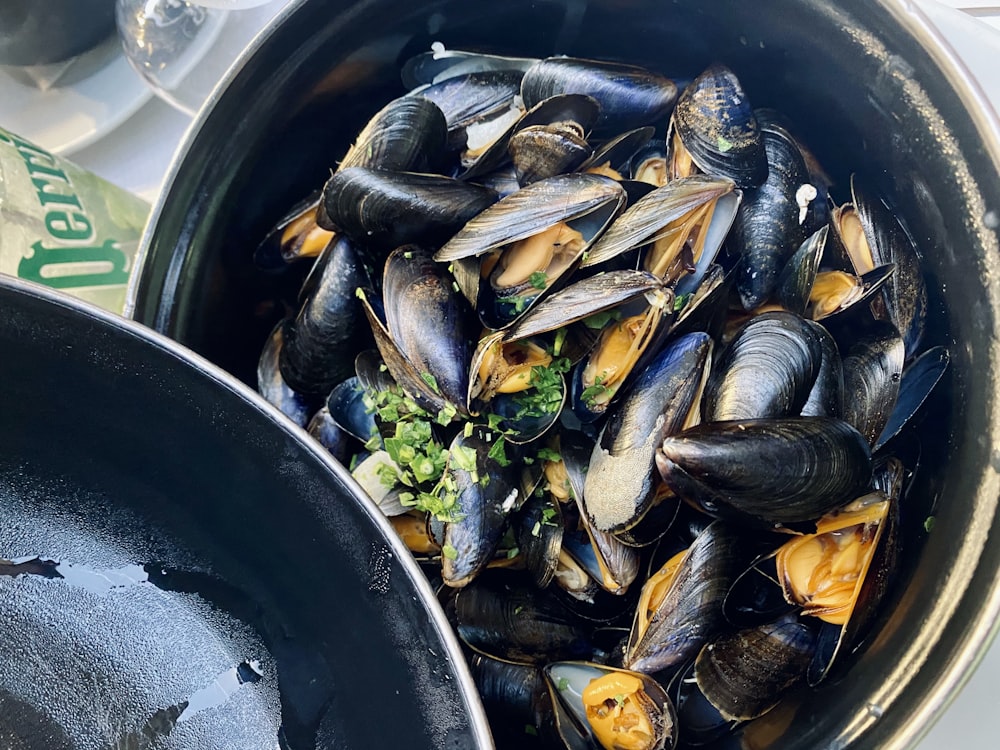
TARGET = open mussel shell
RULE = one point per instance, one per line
(272, 386)
(598, 706)
(472, 97)
(768, 228)
(381, 210)
(629, 96)
(840, 574)
(680, 606)
(616, 154)
(322, 341)
(649, 164)
(767, 370)
(418, 330)
(649, 218)
(486, 493)
(795, 283)
(620, 481)
(541, 232)
(744, 674)
(518, 382)
(626, 343)
(294, 236)
(835, 292)
(716, 125)
(409, 134)
(774, 471)
(873, 369)
(562, 198)
(581, 299)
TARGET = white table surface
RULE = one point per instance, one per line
(136, 155)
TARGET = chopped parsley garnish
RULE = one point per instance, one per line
(530, 729)
(498, 452)
(547, 454)
(545, 396)
(562, 684)
(600, 319)
(450, 552)
(680, 301)
(592, 393)
(538, 280)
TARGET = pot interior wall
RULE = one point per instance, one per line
(847, 76)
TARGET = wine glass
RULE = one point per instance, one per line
(182, 48)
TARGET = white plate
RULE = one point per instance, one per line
(67, 118)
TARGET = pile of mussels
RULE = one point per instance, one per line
(633, 399)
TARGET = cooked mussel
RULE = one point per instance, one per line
(768, 227)
(620, 480)
(714, 126)
(420, 331)
(745, 674)
(535, 237)
(629, 96)
(767, 370)
(321, 343)
(772, 471)
(382, 210)
(680, 606)
(599, 707)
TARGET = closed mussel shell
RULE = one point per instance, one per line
(409, 134)
(322, 341)
(796, 280)
(767, 230)
(714, 121)
(767, 370)
(629, 96)
(272, 386)
(826, 398)
(506, 617)
(744, 674)
(538, 529)
(382, 210)
(541, 151)
(774, 471)
(514, 696)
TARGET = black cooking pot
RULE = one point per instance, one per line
(869, 88)
(179, 568)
